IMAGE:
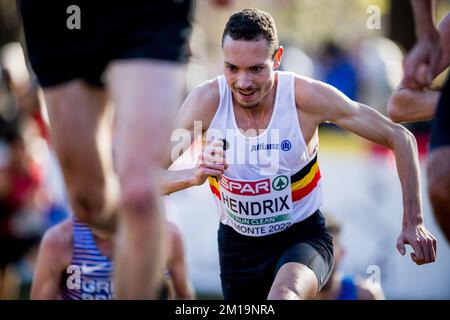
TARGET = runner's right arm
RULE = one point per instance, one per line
(211, 162)
(193, 120)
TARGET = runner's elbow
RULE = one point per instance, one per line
(402, 136)
(394, 107)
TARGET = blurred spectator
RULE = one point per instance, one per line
(23, 86)
(346, 287)
(21, 195)
(26, 207)
(29, 105)
(379, 62)
(338, 70)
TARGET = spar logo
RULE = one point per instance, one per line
(246, 188)
(280, 183)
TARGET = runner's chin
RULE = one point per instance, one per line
(247, 101)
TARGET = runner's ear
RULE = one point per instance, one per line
(277, 57)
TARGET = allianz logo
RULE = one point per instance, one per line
(285, 145)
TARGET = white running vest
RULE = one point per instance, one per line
(271, 182)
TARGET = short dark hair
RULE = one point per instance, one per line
(252, 24)
(333, 224)
(334, 227)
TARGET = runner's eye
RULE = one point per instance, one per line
(231, 68)
(256, 69)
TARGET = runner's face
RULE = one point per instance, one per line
(249, 70)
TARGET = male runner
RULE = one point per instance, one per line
(75, 263)
(85, 54)
(273, 242)
(413, 100)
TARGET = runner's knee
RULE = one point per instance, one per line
(139, 197)
(283, 292)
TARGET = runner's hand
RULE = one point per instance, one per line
(211, 162)
(421, 63)
(422, 242)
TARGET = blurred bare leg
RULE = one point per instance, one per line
(145, 93)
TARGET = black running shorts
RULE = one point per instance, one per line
(249, 264)
(440, 128)
(152, 29)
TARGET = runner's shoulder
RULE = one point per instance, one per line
(203, 101)
(307, 87)
(58, 239)
(207, 93)
(311, 94)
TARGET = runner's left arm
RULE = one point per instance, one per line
(330, 105)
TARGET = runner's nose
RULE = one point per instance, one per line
(244, 82)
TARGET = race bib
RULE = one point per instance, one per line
(258, 207)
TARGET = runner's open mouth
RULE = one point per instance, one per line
(246, 93)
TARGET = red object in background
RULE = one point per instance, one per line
(423, 139)
(24, 184)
